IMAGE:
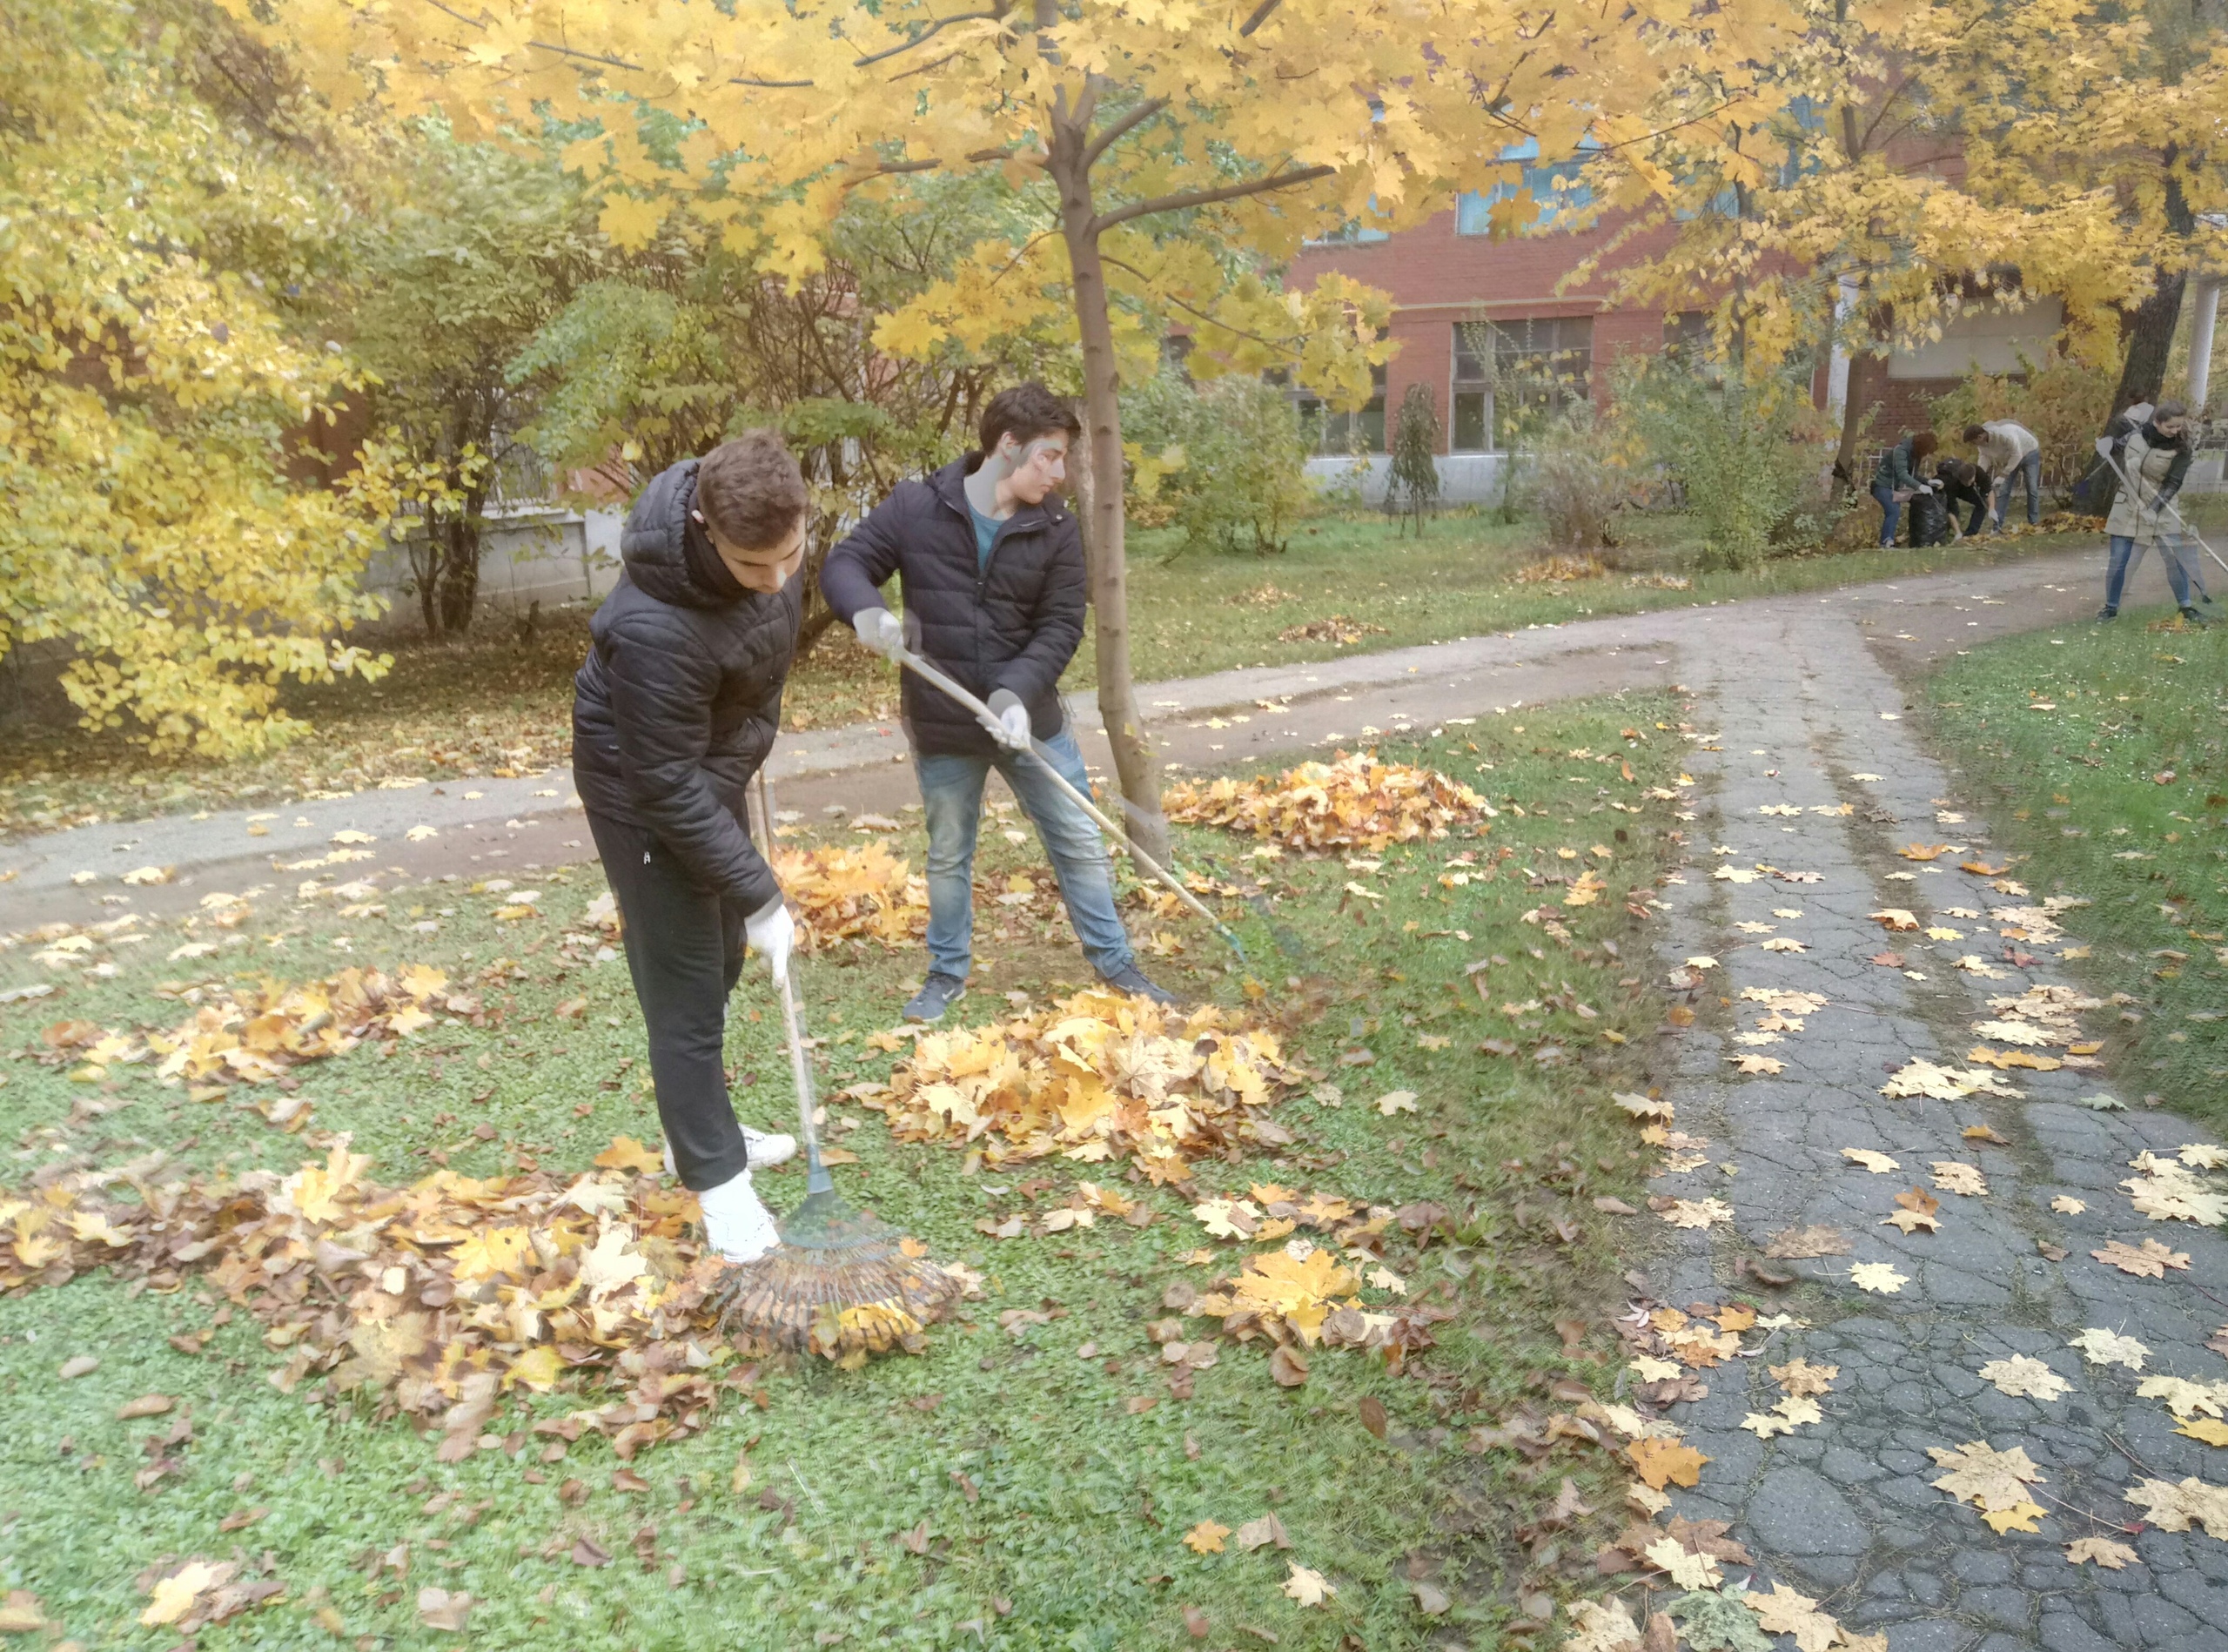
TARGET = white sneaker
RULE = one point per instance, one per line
(735, 1225)
(768, 1147)
(765, 1148)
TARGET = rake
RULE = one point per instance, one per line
(989, 719)
(2104, 453)
(842, 1283)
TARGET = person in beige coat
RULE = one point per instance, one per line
(2153, 462)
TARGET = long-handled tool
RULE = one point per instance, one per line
(989, 719)
(840, 1282)
(2104, 453)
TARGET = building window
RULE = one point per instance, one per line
(1512, 377)
(1558, 189)
(1334, 432)
(1687, 336)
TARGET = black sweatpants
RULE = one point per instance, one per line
(684, 949)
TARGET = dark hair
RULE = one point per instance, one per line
(1026, 412)
(1960, 470)
(1974, 432)
(1923, 444)
(750, 491)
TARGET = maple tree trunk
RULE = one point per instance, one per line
(2150, 334)
(1134, 762)
(1864, 372)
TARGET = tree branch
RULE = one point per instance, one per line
(1183, 198)
(941, 24)
(1170, 298)
(1260, 16)
(1122, 129)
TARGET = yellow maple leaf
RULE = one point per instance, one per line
(627, 1154)
(629, 223)
(1206, 1538)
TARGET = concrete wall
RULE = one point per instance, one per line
(1463, 479)
(545, 555)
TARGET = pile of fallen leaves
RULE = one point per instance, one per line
(1564, 567)
(852, 894)
(1092, 1078)
(438, 1297)
(1338, 631)
(1356, 803)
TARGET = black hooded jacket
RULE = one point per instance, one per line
(1008, 626)
(680, 697)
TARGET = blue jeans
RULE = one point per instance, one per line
(951, 794)
(2028, 474)
(1891, 513)
(2124, 554)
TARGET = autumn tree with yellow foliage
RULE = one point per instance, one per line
(1152, 136)
(150, 381)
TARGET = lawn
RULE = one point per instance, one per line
(2103, 753)
(1044, 1496)
(500, 702)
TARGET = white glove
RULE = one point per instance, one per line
(773, 934)
(1015, 721)
(880, 630)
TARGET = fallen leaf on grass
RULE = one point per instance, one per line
(1308, 1586)
(1878, 1164)
(147, 1405)
(438, 1608)
(2103, 1551)
(1288, 1365)
(1357, 802)
(1878, 1277)
(21, 1614)
(173, 1596)
(2110, 1347)
(1396, 1101)
(2176, 1507)
(1261, 1533)
(2023, 1377)
(1602, 1626)
(1660, 1462)
(1643, 1107)
(2151, 1262)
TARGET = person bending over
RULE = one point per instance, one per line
(674, 709)
(1896, 479)
(1963, 483)
(2008, 453)
(992, 569)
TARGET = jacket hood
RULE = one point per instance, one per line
(666, 554)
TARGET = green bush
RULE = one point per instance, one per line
(1573, 482)
(1224, 462)
(2064, 401)
(1411, 485)
(1749, 458)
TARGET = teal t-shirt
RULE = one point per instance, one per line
(986, 529)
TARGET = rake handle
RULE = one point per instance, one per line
(817, 1181)
(2128, 483)
(984, 715)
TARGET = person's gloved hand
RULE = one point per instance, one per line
(1013, 730)
(880, 630)
(773, 934)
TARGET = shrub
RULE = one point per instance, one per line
(1573, 482)
(1226, 460)
(1749, 457)
(2063, 401)
(1412, 484)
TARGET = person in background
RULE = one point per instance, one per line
(1896, 479)
(2008, 452)
(2153, 460)
(676, 707)
(1964, 483)
(992, 571)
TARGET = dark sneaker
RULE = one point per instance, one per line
(2195, 620)
(938, 994)
(1134, 981)
(2108, 613)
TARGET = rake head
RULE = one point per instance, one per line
(841, 1283)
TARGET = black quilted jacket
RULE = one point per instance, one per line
(681, 697)
(1008, 626)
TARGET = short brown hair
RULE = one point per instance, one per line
(1026, 412)
(750, 491)
(1974, 432)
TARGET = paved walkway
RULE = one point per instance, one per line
(484, 827)
(1844, 1509)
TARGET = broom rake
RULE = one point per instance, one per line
(842, 1283)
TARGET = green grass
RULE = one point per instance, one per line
(500, 703)
(2119, 796)
(1076, 1540)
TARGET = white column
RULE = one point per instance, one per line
(2208, 304)
(1837, 368)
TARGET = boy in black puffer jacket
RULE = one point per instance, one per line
(674, 711)
(992, 570)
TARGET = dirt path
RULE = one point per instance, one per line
(486, 827)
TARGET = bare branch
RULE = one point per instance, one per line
(1183, 198)
(931, 30)
(1211, 320)
(1260, 16)
(1122, 129)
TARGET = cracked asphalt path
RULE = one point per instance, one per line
(1844, 1510)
